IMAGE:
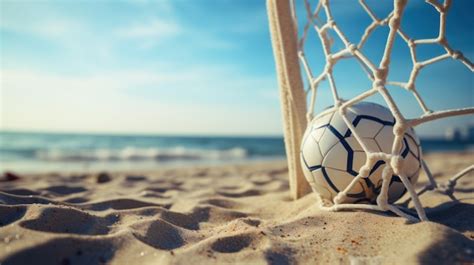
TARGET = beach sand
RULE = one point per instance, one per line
(240, 214)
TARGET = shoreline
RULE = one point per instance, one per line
(153, 166)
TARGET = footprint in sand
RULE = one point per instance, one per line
(67, 220)
(222, 203)
(64, 190)
(231, 244)
(21, 192)
(121, 204)
(246, 193)
(67, 251)
(135, 178)
(160, 234)
(275, 258)
(10, 214)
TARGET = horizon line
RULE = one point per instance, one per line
(124, 133)
(162, 134)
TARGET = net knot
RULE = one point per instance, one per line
(417, 66)
(341, 109)
(394, 22)
(442, 40)
(410, 86)
(378, 84)
(331, 23)
(399, 129)
(381, 74)
(396, 162)
(456, 54)
(411, 43)
(351, 47)
(330, 61)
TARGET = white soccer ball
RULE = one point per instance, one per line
(331, 156)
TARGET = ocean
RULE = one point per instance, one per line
(50, 152)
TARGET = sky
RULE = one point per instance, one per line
(192, 67)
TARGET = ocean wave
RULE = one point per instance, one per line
(132, 153)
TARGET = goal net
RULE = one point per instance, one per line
(299, 28)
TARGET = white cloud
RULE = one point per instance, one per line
(151, 33)
(37, 20)
(70, 35)
(155, 31)
(173, 97)
(155, 28)
(111, 102)
(51, 28)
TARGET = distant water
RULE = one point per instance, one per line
(40, 152)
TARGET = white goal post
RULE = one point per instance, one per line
(288, 47)
(292, 95)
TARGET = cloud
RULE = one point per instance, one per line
(155, 28)
(205, 100)
(155, 31)
(50, 28)
(150, 33)
(69, 35)
(37, 20)
(93, 80)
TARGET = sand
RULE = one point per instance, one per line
(239, 214)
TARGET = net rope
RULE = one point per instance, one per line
(378, 76)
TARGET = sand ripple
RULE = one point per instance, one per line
(229, 214)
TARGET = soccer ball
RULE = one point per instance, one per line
(331, 156)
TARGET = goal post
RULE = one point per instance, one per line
(292, 94)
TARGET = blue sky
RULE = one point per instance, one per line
(188, 67)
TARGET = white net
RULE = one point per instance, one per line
(319, 19)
